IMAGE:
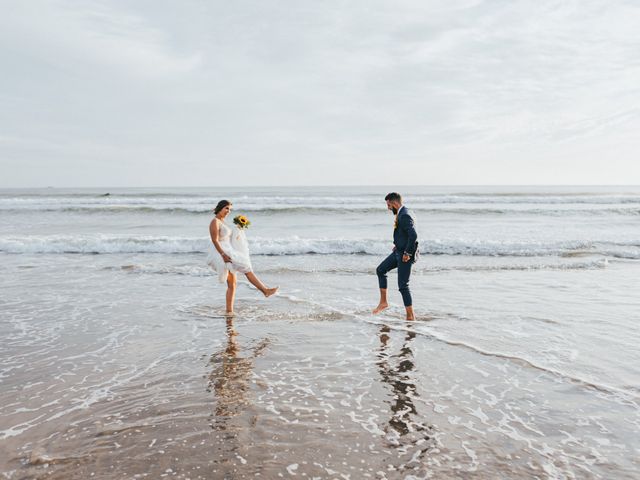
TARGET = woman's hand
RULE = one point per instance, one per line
(226, 258)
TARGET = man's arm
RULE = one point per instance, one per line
(408, 225)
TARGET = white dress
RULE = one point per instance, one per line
(234, 243)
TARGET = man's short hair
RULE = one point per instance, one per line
(393, 197)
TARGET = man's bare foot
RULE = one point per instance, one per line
(270, 291)
(410, 314)
(381, 306)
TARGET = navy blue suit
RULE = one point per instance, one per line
(404, 239)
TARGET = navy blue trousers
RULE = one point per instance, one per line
(404, 272)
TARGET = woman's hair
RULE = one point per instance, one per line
(221, 205)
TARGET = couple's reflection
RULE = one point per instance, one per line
(230, 377)
(405, 428)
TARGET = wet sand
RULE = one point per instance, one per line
(331, 398)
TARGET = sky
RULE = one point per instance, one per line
(323, 92)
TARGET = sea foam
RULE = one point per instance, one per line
(111, 244)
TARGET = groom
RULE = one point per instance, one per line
(402, 257)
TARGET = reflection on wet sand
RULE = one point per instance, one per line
(405, 430)
(229, 378)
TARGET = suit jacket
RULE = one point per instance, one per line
(404, 234)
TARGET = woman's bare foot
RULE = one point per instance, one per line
(270, 291)
(381, 306)
(230, 313)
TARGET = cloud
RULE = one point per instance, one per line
(93, 35)
(333, 89)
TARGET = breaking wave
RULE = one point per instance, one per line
(113, 244)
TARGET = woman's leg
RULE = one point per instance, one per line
(231, 291)
(255, 281)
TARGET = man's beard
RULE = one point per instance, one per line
(394, 210)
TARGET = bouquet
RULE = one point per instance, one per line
(242, 222)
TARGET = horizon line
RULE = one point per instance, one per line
(104, 187)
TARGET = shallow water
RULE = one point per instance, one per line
(522, 363)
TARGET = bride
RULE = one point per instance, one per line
(229, 255)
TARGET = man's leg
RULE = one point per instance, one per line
(387, 264)
(404, 273)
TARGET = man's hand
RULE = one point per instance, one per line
(406, 257)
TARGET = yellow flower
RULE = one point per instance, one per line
(241, 221)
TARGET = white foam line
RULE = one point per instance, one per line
(113, 342)
(625, 396)
(472, 455)
(95, 396)
(17, 430)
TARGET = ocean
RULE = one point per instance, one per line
(523, 361)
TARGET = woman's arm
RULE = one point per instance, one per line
(213, 231)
